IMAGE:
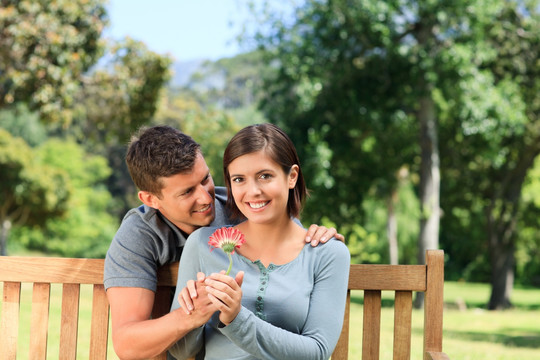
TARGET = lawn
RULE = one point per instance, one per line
(471, 333)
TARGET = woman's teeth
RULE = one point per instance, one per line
(258, 205)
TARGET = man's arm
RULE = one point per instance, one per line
(136, 336)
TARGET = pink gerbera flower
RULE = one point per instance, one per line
(227, 239)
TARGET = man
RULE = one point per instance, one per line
(178, 196)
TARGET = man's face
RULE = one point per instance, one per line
(187, 200)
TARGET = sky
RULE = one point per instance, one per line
(185, 29)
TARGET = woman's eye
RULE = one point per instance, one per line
(237, 180)
(265, 176)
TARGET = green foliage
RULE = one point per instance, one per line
(21, 122)
(211, 128)
(87, 228)
(31, 190)
(528, 242)
(120, 95)
(116, 99)
(229, 83)
(48, 50)
(45, 46)
(348, 87)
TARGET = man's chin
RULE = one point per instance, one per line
(207, 220)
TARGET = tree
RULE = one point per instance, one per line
(87, 227)
(498, 135)
(45, 46)
(115, 100)
(212, 128)
(31, 192)
(362, 87)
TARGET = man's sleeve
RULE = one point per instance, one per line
(130, 260)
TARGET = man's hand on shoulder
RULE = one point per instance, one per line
(320, 234)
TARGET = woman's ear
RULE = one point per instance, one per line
(293, 176)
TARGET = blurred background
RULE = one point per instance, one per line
(416, 122)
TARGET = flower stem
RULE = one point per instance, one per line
(230, 264)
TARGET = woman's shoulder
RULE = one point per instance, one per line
(335, 245)
(332, 250)
(199, 237)
(203, 231)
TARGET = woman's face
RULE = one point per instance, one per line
(260, 187)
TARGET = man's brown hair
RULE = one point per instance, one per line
(157, 152)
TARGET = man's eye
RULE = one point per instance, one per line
(187, 192)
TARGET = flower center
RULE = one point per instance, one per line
(228, 247)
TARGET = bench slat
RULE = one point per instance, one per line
(433, 303)
(402, 325)
(52, 270)
(388, 277)
(100, 324)
(372, 325)
(40, 320)
(10, 320)
(69, 322)
(341, 351)
(162, 305)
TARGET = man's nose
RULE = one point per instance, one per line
(204, 195)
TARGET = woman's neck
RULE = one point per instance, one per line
(277, 243)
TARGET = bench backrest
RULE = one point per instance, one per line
(72, 273)
(403, 280)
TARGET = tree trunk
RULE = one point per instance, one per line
(430, 176)
(391, 228)
(430, 179)
(502, 213)
(502, 274)
(4, 232)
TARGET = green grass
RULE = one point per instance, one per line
(469, 333)
(473, 333)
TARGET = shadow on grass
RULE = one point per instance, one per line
(521, 341)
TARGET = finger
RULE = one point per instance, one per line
(322, 234)
(220, 282)
(340, 237)
(191, 288)
(184, 299)
(328, 234)
(311, 231)
(239, 278)
(219, 298)
(200, 276)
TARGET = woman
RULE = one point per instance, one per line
(287, 300)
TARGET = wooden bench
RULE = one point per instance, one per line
(72, 273)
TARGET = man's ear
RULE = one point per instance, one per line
(293, 176)
(148, 199)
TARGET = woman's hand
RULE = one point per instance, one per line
(226, 294)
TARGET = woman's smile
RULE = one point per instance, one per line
(257, 204)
